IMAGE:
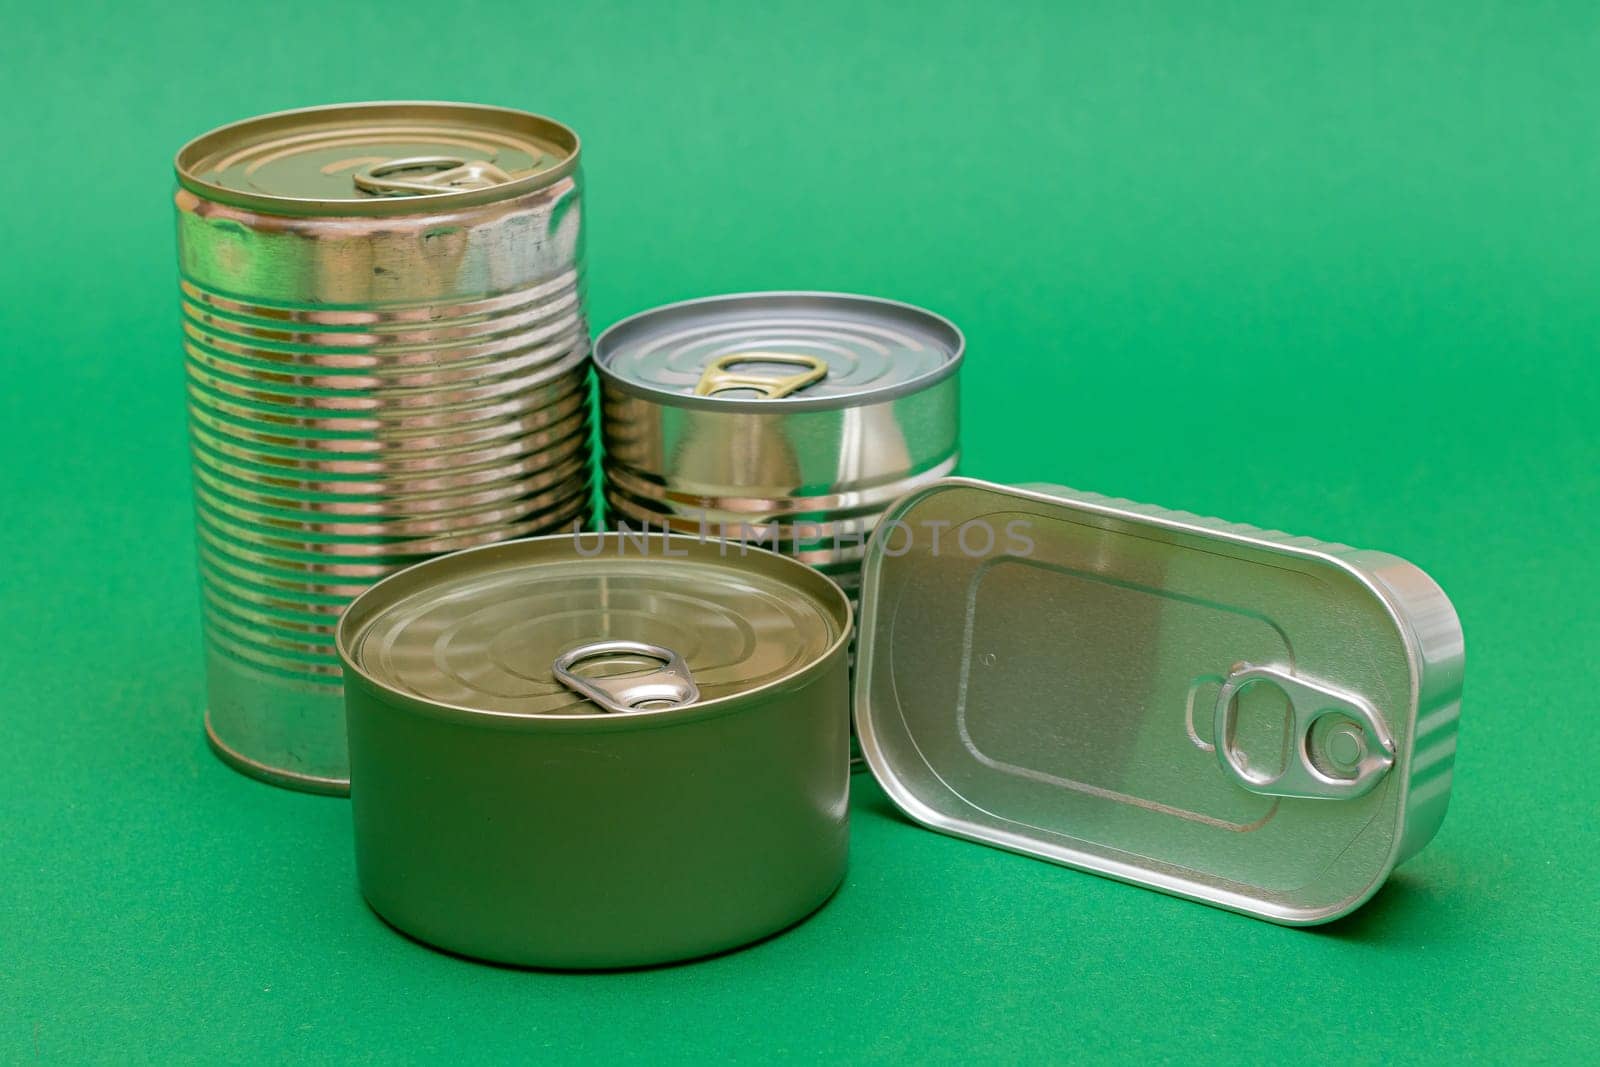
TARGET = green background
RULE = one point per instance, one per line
(1335, 272)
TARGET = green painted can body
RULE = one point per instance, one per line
(593, 840)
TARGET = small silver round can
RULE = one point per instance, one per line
(386, 352)
(790, 420)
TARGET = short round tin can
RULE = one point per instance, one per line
(598, 750)
(386, 359)
(790, 420)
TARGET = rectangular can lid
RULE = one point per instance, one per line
(1261, 722)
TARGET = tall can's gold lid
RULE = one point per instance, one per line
(395, 158)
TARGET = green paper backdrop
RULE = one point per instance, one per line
(1334, 271)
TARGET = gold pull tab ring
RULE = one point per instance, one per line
(718, 378)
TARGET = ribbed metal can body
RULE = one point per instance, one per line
(365, 391)
(806, 473)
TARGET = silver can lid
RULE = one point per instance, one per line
(1256, 721)
(801, 350)
(592, 625)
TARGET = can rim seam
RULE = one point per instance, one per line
(302, 207)
(732, 703)
(786, 404)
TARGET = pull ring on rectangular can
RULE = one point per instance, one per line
(1340, 746)
(668, 686)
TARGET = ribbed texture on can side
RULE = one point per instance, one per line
(331, 449)
(812, 485)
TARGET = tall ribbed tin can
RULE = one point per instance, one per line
(386, 354)
(791, 420)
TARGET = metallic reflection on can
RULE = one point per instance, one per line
(1262, 722)
(386, 360)
(791, 420)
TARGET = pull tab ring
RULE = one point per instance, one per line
(449, 175)
(717, 378)
(670, 685)
(1341, 763)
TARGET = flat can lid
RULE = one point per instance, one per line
(393, 158)
(1257, 721)
(482, 632)
(796, 350)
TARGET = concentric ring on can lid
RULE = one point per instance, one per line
(750, 351)
(385, 158)
(478, 632)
